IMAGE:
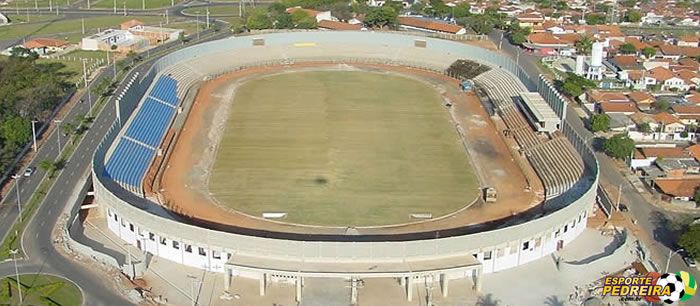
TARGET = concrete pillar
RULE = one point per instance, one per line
(227, 278)
(444, 282)
(298, 288)
(402, 281)
(477, 279)
(353, 291)
(263, 284)
(409, 288)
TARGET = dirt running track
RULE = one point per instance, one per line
(183, 184)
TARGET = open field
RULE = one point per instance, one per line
(22, 17)
(40, 290)
(37, 3)
(341, 149)
(213, 11)
(69, 28)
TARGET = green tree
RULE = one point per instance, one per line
(481, 24)
(619, 146)
(662, 105)
(461, 10)
(584, 45)
(633, 16)
(302, 20)
(16, 130)
(600, 123)
(644, 127)
(572, 89)
(21, 52)
(649, 52)
(258, 20)
(628, 49)
(379, 17)
(49, 166)
(690, 239)
(593, 19)
(575, 85)
(438, 8)
(561, 5)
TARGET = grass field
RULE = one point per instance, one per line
(341, 149)
(40, 290)
(131, 4)
(214, 11)
(69, 27)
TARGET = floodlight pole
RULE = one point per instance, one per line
(58, 133)
(34, 134)
(19, 285)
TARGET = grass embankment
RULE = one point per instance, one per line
(39, 290)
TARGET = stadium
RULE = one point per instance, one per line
(281, 157)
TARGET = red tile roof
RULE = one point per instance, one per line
(339, 26)
(684, 187)
(44, 42)
(617, 107)
(660, 73)
(430, 25)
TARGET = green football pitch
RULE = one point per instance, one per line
(341, 148)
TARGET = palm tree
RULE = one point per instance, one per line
(584, 45)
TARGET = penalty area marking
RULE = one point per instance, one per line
(306, 44)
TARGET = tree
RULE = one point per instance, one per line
(561, 5)
(481, 24)
(258, 20)
(379, 17)
(619, 146)
(16, 130)
(662, 105)
(649, 52)
(437, 8)
(600, 123)
(572, 89)
(49, 166)
(690, 239)
(584, 45)
(21, 52)
(593, 19)
(644, 127)
(633, 16)
(628, 49)
(629, 3)
(302, 20)
(461, 10)
(575, 85)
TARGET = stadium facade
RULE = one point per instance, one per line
(442, 256)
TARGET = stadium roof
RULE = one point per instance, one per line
(539, 107)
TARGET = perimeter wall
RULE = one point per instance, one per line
(499, 246)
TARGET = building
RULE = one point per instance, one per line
(646, 156)
(319, 15)
(644, 100)
(114, 40)
(538, 112)
(46, 46)
(687, 114)
(339, 26)
(429, 25)
(678, 189)
(627, 108)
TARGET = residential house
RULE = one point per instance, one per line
(669, 123)
(646, 156)
(530, 19)
(642, 99)
(687, 114)
(319, 15)
(688, 41)
(670, 51)
(429, 25)
(667, 79)
(339, 26)
(609, 108)
(682, 189)
(45, 46)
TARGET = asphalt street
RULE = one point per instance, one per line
(650, 218)
(42, 255)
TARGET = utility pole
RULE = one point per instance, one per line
(50, 6)
(34, 134)
(124, 8)
(240, 8)
(87, 86)
(82, 22)
(197, 25)
(167, 19)
(88, 3)
(143, 4)
(115, 7)
(207, 17)
(19, 201)
(36, 5)
(58, 133)
(19, 285)
(619, 195)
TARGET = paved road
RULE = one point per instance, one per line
(650, 218)
(42, 254)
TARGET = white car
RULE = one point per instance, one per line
(29, 171)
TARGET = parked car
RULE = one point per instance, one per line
(690, 261)
(29, 171)
(623, 208)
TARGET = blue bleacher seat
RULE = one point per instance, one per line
(129, 162)
(165, 90)
(150, 123)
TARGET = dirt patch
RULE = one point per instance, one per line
(184, 180)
